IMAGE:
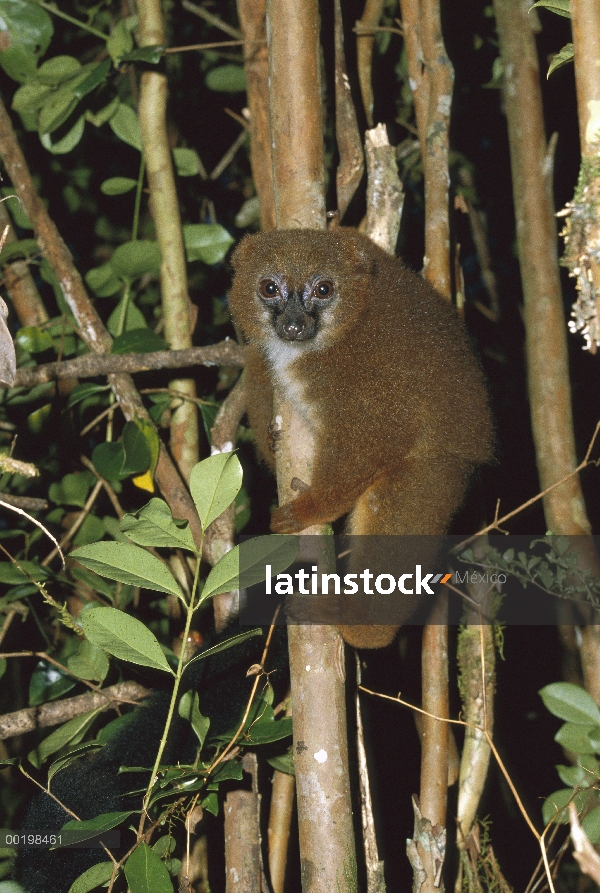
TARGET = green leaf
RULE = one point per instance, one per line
(145, 481)
(113, 727)
(74, 754)
(228, 78)
(278, 551)
(120, 41)
(19, 396)
(187, 162)
(117, 185)
(23, 248)
(224, 576)
(73, 489)
(33, 339)
(134, 259)
(146, 873)
(154, 526)
(123, 636)
(189, 708)
(574, 776)
(37, 418)
(71, 731)
(83, 391)
(96, 876)
(94, 581)
(125, 125)
(164, 846)
(108, 460)
(223, 646)
(554, 808)
(560, 7)
(150, 54)
(249, 213)
(30, 30)
(102, 281)
(134, 319)
(594, 737)
(570, 702)
(161, 404)
(574, 738)
(93, 75)
(211, 803)
(138, 341)
(68, 142)
(208, 242)
(105, 114)
(97, 825)
(246, 564)
(91, 530)
(214, 484)
(57, 108)
(232, 770)
(127, 563)
(591, 825)
(137, 452)
(90, 662)
(283, 762)
(57, 70)
(563, 57)
(268, 729)
(12, 576)
(48, 683)
(209, 412)
(16, 208)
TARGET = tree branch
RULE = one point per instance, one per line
(57, 712)
(227, 353)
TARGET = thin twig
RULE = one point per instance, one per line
(204, 46)
(109, 411)
(109, 490)
(19, 511)
(229, 155)
(257, 679)
(66, 539)
(211, 19)
(495, 525)
(7, 622)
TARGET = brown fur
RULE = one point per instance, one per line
(389, 387)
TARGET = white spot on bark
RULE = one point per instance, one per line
(444, 103)
(592, 129)
(226, 448)
(321, 756)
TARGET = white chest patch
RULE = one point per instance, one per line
(280, 356)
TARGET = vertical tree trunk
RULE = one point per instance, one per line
(327, 854)
(545, 329)
(165, 212)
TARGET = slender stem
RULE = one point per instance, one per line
(124, 308)
(138, 199)
(178, 675)
(63, 15)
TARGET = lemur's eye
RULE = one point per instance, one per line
(324, 289)
(269, 288)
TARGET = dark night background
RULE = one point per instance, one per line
(532, 658)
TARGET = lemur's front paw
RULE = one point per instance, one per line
(283, 520)
(294, 516)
